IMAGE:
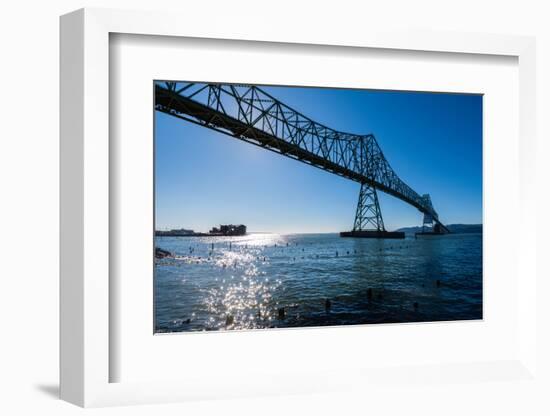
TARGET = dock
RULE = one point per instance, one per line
(373, 234)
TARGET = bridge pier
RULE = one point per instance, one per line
(432, 229)
(373, 234)
(430, 226)
(368, 217)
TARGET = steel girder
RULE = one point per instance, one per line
(251, 114)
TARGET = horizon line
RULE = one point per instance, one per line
(311, 232)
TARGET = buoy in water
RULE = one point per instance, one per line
(328, 304)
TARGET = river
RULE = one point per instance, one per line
(303, 280)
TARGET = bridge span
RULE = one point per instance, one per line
(248, 113)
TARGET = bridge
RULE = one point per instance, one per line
(248, 113)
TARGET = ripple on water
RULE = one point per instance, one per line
(244, 285)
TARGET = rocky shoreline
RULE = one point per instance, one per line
(161, 254)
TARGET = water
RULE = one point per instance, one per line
(244, 281)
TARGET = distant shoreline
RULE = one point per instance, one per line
(455, 229)
(223, 231)
(161, 234)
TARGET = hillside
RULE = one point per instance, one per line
(454, 228)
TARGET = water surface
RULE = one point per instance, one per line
(246, 282)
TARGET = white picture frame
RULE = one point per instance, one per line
(86, 355)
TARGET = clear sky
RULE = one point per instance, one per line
(432, 141)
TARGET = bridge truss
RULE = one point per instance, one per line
(248, 113)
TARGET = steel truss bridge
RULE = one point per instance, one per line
(248, 113)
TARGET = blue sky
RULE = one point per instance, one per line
(433, 141)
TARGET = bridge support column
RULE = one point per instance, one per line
(430, 226)
(427, 223)
(430, 223)
(368, 217)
